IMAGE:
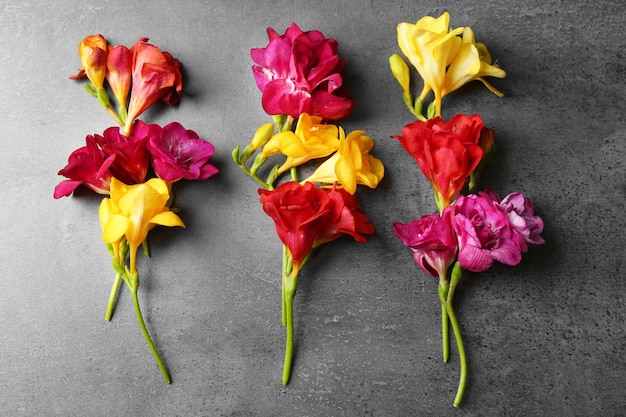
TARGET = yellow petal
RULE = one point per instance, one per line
(167, 218)
(115, 228)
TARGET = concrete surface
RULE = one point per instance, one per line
(546, 338)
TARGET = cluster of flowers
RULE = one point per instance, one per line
(471, 230)
(301, 78)
(135, 163)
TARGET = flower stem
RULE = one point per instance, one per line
(291, 284)
(462, 357)
(146, 335)
(457, 272)
(445, 329)
(112, 296)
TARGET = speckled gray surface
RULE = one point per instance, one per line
(545, 338)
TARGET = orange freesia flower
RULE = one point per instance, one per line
(156, 76)
(93, 56)
(352, 164)
(311, 139)
(119, 73)
(132, 211)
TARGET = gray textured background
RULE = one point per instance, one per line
(544, 338)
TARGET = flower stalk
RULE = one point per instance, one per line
(290, 286)
(446, 298)
(144, 330)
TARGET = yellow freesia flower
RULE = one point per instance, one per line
(311, 139)
(472, 63)
(352, 164)
(430, 47)
(132, 211)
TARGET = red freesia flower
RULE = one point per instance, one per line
(306, 217)
(484, 233)
(178, 153)
(446, 152)
(348, 221)
(89, 166)
(156, 76)
(300, 72)
(132, 159)
(432, 240)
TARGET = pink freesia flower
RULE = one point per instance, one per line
(156, 76)
(484, 233)
(132, 159)
(178, 153)
(521, 214)
(432, 240)
(89, 166)
(300, 72)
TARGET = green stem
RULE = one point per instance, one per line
(455, 277)
(442, 290)
(291, 283)
(462, 357)
(146, 336)
(112, 296)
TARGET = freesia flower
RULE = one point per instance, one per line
(347, 221)
(352, 164)
(473, 62)
(156, 76)
(133, 210)
(312, 139)
(446, 152)
(431, 47)
(300, 72)
(119, 74)
(520, 211)
(306, 217)
(93, 56)
(484, 233)
(179, 153)
(132, 159)
(432, 240)
(89, 166)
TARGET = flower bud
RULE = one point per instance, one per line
(262, 135)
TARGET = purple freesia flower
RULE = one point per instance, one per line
(432, 240)
(484, 233)
(179, 153)
(521, 213)
(87, 165)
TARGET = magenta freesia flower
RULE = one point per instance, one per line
(520, 211)
(300, 72)
(132, 159)
(179, 153)
(432, 240)
(484, 233)
(87, 165)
